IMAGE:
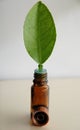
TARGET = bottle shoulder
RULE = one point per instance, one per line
(46, 86)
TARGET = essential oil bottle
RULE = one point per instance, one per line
(40, 99)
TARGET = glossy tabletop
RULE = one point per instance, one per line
(64, 104)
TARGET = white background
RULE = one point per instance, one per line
(15, 63)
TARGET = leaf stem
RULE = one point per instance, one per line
(40, 67)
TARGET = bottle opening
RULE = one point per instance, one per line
(41, 118)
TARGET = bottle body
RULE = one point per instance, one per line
(40, 100)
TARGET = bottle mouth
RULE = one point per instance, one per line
(40, 117)
(43, 71)
(40, 78)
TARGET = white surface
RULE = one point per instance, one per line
(64, 105)
(15, 62)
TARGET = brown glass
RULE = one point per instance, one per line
(39, 100)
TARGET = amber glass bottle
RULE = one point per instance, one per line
(39, 99)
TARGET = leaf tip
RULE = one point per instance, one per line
(39, 2)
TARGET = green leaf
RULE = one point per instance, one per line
(39, 33)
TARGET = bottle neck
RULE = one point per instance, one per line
(40, 78)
